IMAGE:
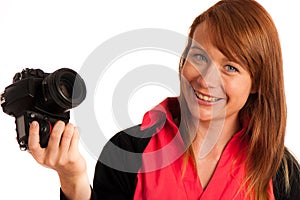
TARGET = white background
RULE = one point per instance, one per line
(55, 34)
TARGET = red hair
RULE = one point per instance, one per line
(244, 32)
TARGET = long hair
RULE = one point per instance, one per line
(243, 30)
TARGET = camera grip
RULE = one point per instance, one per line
(45, 123)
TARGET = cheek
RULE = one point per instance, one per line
(189, 72)
(238, 91)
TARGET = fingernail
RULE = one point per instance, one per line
(34, 124)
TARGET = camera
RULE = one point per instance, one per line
(43, 97)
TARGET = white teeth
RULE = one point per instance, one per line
(206, 98)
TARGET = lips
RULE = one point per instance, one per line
(206, 98)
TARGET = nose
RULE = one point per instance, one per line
(209, 77)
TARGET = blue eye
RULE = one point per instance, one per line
(200, 57)
(230, 68)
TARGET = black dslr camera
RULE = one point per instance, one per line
(42, 97)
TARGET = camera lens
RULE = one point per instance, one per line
(66, 83)
(64, 89)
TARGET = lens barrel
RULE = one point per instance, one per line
(63, 89)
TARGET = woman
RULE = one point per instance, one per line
(223, 138)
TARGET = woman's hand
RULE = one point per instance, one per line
(62, 155)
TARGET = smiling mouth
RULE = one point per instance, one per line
(206, 98)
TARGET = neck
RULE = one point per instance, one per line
(212, 136)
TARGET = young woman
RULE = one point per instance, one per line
(222, 138)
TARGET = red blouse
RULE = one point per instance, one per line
(161, 176)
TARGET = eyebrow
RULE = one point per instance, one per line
(224, 59)
(197, 47)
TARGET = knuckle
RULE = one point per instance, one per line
(48, 163)
(61, 162)
(40, 161)
(72, 159)
(33, 147)
(54, 136)
(67, 136)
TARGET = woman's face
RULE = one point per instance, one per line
(213, 86)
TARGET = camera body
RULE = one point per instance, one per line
(43, 97)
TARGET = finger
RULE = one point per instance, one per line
(75, 140)
(34, 143)
(55, 135)
(34, 137)
(66, 138)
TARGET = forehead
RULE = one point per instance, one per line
(201, 35)
(201, 38)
